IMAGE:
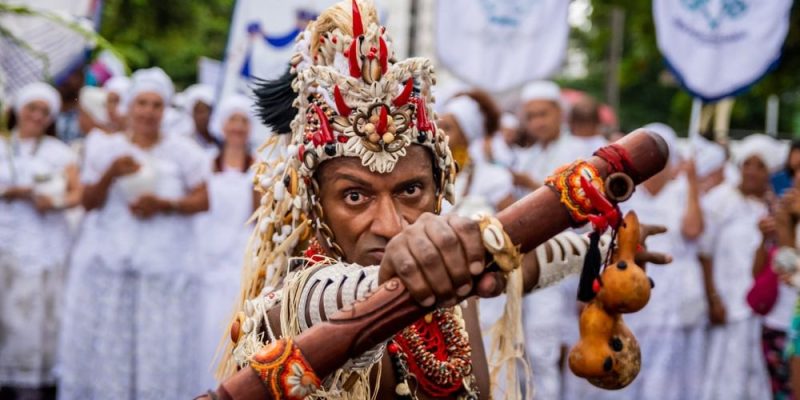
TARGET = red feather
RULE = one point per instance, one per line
(403, 97)
(381, 128)
(358, 26)
(341, 106)
(384, 56)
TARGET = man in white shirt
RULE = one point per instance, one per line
(552, 145)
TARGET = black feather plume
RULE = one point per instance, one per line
(274, 102)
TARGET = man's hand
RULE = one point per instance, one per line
(768, 227)
(43, 204)
(17, 193)
(149, 205)
(122, 166)
(790, 202)
(643, 257)
(437, 259)
(716, 311)
(523, 180)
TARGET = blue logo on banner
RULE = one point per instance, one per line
(507, 12)
(727, 9)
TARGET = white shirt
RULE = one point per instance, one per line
(34, 240)
(678, 299)
(731, 239)
(173, 167)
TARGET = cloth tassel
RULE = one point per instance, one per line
(591, 269)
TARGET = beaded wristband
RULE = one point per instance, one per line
(566, 181)
(284, 370)
(497, 242)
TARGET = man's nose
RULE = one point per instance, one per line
(387, 221)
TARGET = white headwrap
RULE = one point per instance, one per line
(198, 93)
(509, 121)
(708, 157)
(151, 80)
(541, 90)
(669, 136)
(230, 105)
(469, 116)
(92, 101)
(119, 85)
(769, 150)
(38, 91)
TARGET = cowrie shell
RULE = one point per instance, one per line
(493, 238)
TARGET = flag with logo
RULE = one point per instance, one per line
(500, 45)
(717, 48)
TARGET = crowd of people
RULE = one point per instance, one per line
(124, 216)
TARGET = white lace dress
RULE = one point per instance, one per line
(130, 309)
(33, 253)
(222, 235)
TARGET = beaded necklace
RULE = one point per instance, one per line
(435, 353)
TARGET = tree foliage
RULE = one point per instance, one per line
(171, 34)
(649, 93)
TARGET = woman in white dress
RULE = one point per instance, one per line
(735, 366)
(38, 181)
(130, 321)
(222, 232)
(468, 119)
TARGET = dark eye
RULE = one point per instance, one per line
(354, 198)
(412, 190)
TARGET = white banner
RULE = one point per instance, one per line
(717, 48)
(262, 33)
(499, 45)
(42, 49)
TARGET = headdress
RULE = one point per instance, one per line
(344, 95)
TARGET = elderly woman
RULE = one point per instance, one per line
(38, 181)
(471, 119)
(735, 366)
(127, 331)
(222, 233)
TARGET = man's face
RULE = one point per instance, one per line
(366, 209)
(755, 176)
(542, 120)
(146, 112)
(201, 115)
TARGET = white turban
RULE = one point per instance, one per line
(541, 90)
(669, 136)
(509, 121)
(708, 157)
(151, 80)
(119, 85)
(225, 109)
(769, 150)
(92, 101)
(198, 93)
(469, 116)
(38, 91)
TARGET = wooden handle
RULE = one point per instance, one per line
(529, 222)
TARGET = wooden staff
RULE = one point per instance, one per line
(367, 323)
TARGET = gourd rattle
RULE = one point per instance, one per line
(607, 354)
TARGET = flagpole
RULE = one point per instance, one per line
(694, 124)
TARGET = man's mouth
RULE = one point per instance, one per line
(375, 256)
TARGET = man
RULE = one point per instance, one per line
(366, 173)
(542, 116)
(584, 123)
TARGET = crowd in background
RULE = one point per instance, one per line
(124, 220)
